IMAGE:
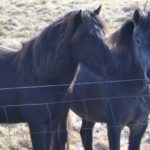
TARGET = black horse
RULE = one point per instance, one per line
(50, 59)
(124, 99)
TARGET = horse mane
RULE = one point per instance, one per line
(42, 57)
(121, 39)
(122, 46)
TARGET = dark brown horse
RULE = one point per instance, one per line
(50, 59)
(123, 100)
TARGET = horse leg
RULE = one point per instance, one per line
(59, 136)
(86, 134)
(136, 133)
(39, 134)
(62, 135)
(114, 137)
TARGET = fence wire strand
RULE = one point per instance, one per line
(63, 85)
(50, 101)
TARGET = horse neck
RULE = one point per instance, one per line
(127, 56)
(129, 69)
(138, 87)
(68, 71)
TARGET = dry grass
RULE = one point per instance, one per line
(21, 19)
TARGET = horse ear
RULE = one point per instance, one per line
(136, 16)
(97, 11)
(77, 19)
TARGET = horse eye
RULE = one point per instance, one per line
(138, 41)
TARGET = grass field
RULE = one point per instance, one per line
(21, 20)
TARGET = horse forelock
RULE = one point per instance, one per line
(144, 21)
(100, 22)
(91, 16)
(42, 57)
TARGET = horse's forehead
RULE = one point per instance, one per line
(144, 24)
(142, 31)
(92, 25)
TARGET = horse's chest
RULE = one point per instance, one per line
(92, 111)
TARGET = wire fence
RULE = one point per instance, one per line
(49, 101)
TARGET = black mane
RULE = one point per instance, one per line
(122, 39)
(45, 53)
(42, 56)
(122, 45)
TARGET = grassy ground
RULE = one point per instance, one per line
(22, 19)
